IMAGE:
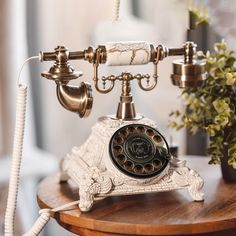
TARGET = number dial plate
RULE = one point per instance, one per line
(139, 151)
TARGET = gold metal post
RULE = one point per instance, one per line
(126, 108)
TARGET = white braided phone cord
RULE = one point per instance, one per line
(16, 155)
(116, 10)
(45, 214)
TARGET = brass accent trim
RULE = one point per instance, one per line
(99, 55)
(89, 54)
(136, 118)
(186, 72)
(62, 74)
(102, 55)
(61, 71)
(188, 75)
(76, 55)
(176, 51)
(126, 108)
(73, 98)
(188, 51)
(76, 99)
(153, 53)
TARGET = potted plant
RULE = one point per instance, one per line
(212, 108)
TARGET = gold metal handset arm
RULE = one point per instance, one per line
(186, 72)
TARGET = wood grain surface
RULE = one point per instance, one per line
(166, 213)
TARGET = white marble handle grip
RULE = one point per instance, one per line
(127, 53)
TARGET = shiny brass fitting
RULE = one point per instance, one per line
(188, 72)
(74, 98)
(61, 71)
(77, 99)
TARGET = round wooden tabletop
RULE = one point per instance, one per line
(165, 213)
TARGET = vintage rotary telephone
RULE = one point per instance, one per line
(125, 154)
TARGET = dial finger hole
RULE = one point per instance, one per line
(117, 149)
(128, 165)
(138, 169)
(123, 133)
(156, 164)
(149, 168)
(121, 158)
(150, 132)
(131, 129)
(140, 129)
(119, 140)
(157, 139)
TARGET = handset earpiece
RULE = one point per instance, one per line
(188, 72)
(73, 98)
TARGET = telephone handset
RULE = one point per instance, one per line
(125, 153)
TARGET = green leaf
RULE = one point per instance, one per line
(200, 54)
(221, 106)
(229, 76)
(230, 79)
(221, 120)
(179, 126)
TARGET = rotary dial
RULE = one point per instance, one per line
(139, 151)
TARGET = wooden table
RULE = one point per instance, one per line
(166, 213)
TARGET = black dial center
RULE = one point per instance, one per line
(139, 148)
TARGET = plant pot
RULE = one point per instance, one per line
(228, 172)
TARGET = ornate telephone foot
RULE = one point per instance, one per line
(86, 200)
(186, 177)
(197, 195)
(195, 189)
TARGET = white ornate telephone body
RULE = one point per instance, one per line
(125, 154)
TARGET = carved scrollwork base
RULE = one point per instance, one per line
(89, 166)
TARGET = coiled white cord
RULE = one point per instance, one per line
(39, 223)
(44, 217)
(17, 154)
(45, 214)
(16, 160)
(116, 10)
